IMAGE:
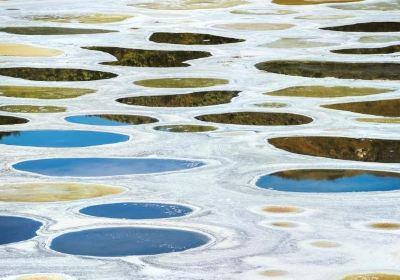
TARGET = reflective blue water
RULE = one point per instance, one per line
(328, 181)
(127, 241)
(93, 167)
(130, 210)
(15, 229)
(60, 138)
(111, 119)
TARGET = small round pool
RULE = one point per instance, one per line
(136, 210)
(95, 167)
(60, 138)
(330, 181)
(127, 241)
(111, 120)
(15, 229)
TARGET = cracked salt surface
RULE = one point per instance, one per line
(224, 191)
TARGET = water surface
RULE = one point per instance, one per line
(15, 229)
(111, 119)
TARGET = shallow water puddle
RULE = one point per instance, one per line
(378, 39)
(380, 120)
(389, 26)
(89, 19)
(95, 167)
(373, 276)
(256, 118)
(324, 17)
(385, 226)
(44, 30)
(27, 51)
(16, 229)
(10, 120)
(325, 92)
(291, 43)
(281, 210)
(325, 244)
(181, 82)
(32, 109)
(274, 273)
(43, 92)
(136, 210)
(191, 4)
(375, 6)
(127, 241)
(261, 12)
(341, 70)
(41, 277)
(330, 180)
(381, 50)
(358, 149)
(203, 98)
(60, 138)
(185, 128)
(386, 108)
(310, 2)
(254, 26)
(271, 105)
(111, 119)
(55, 74)
(52, 192)
(150, 58)
(283, 224)
(191, 39)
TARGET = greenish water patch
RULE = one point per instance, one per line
(341, 70)
(150, 58)
(32, 109)
(256, 118)
(271, 105)
(9, 120)
(89, 19)
(377, 6)
(380, 120)
(55, 74)
(42, 30)
(289, 43)
(378, 39)
(372, 276)
(388, 26)
(191, 39)
(385, 108)
(324, 92)
(43, 92)
(382, 50)
(356, 149)
(185, 128)
(195, 99)
(181, 82)
(111, 119)
(324, 17)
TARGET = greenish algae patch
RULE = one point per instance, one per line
(380, 120)
(385, 108)
(89, 19)
(372, 276)
(191, 39)
(36, 30)
(128, 119)
(381, 50)
(52, 192)
(10, 120)
(271, 105)
(185, 128)
(325, 92)
(291, 43)
(43, 92)
(195, 99)
(256, 118)
(191, 4)
(149, 58)
(181, 82)
(340, 70)
(310, 2)
(32, 109)
(55, 74)
(254, 26)
(357, 149)
(375, 6)
(375, 26)
(378, 39)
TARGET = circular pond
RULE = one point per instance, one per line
(15, 229)
(127, 241)
(110, 120)
(136, 210)
(60, 138)
(95, 167)
(10, 120)
(329, 180)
